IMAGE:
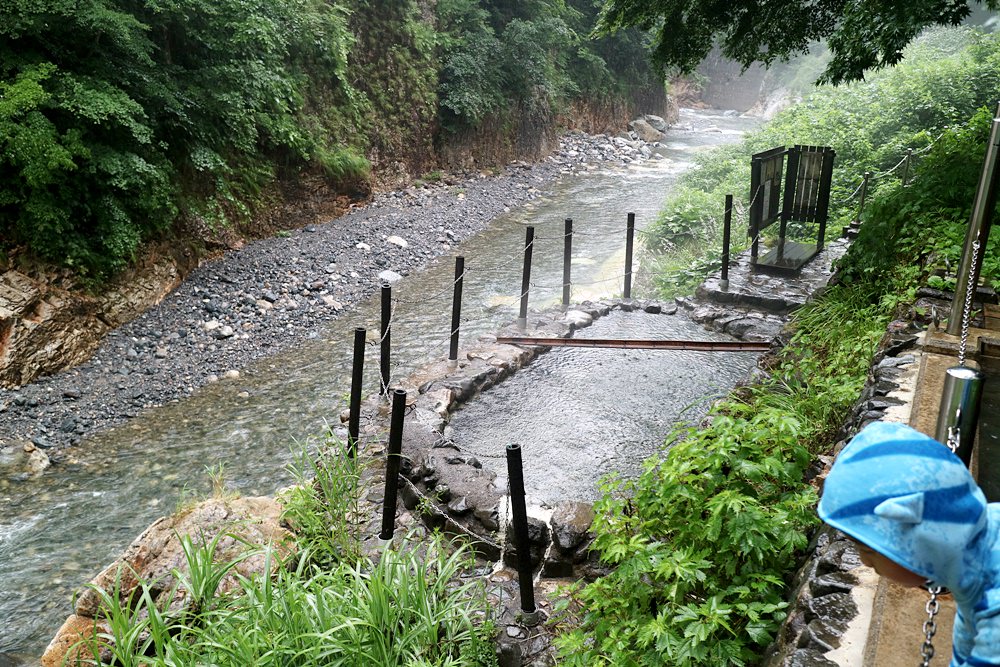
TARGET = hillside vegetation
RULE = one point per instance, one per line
(117, 120)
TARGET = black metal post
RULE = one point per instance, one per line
(519, 515)
(357, 376)
(529, 241)
(629, 239)
(384, 331)
(727, 223)
(980, 223)
(567, 258)
(456, 307)
(392, 462)
(823, 197)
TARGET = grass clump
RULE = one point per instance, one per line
(326, 605)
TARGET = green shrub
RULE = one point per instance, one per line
(113, 116)
(704, 539)
(925, 224)
(946, 76)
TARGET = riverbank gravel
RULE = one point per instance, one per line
(266, 296)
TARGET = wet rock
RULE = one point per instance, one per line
(157, 552)
(70, 645)
(824, 634)
(389, 276)
(834, 582)
(577, 319)
(645, 131)
(489, 517)
(459, 507)
(538, 538)
(836, 608)
(809, 658)
(571, 522)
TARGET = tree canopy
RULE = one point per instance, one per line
(861, 35)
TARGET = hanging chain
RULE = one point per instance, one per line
(930, 625)
(967, 310)
(955, 431)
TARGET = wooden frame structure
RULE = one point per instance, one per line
(803, 196)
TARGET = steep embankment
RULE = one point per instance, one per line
(118, 181)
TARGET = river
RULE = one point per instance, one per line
(57, 530)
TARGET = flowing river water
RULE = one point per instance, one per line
(602, 410)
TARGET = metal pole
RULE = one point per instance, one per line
(906, 167)
(529, 241)
(963, 388)
(861, 199)
(392, 464)
(456, 308)
(357, 376)
(979, 226)
(567, 258)
(727, 222)
(384, 331)
(519, 515)
(629, 238)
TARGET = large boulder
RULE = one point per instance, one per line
(645, 131)
(238, 527)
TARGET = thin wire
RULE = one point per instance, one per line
(449, 289)
(843, 202)
(507, 262)
(601, 235)
(890, 171)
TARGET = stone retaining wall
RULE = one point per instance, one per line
(822, 602)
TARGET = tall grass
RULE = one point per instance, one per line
(328, 605)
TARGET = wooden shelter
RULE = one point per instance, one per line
(802, 197)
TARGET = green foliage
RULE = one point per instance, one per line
(114, 115)
(323, 505)
(947, 75)
(329, 605)
(496, 55)
(924, 225)
(705, 538)
(404, 609)
(861, 36)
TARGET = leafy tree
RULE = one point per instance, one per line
(114, 115)
(861, 35)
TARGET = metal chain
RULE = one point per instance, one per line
(930, 625)
(967, 311)
(955, 432)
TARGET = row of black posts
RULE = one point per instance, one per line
(515, 472)
(515, 476)
(385, 330)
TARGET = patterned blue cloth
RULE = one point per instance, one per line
(908, 497)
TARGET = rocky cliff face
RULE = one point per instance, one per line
(47, 325)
